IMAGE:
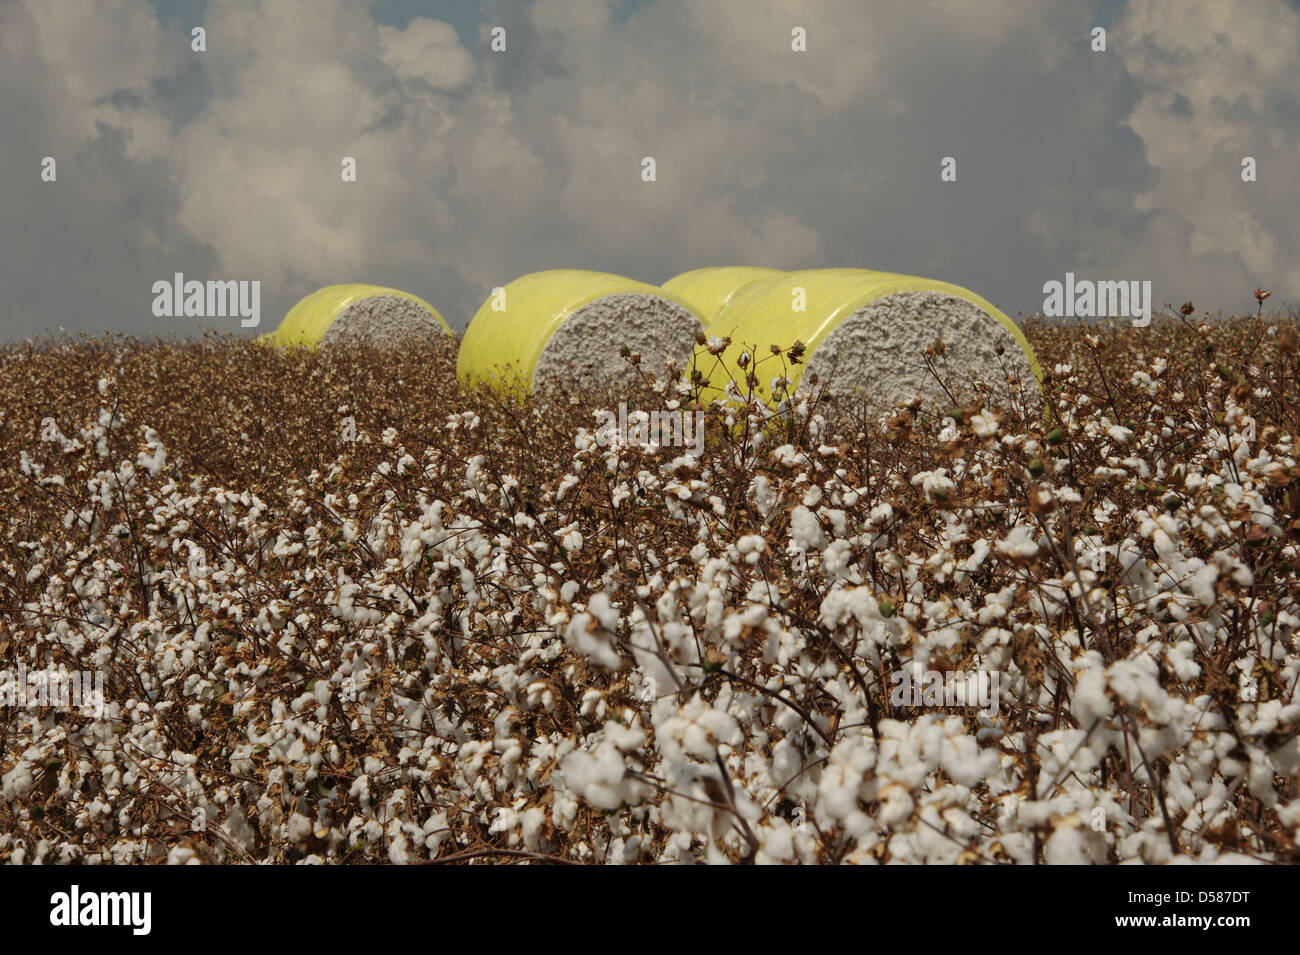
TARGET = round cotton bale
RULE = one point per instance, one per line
(709, 290)
(358, 314)
(568, 327)
(867, 333)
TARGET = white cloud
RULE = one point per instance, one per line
(474, 167)
(1217, 83)
(102, 57)
(427, 50)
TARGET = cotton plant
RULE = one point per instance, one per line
(435, 642)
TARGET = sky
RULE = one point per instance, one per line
(475, 166)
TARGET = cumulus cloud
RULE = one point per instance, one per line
(474, 167)
(83, 251)
(1216, 84)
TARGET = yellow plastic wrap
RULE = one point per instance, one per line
(709, 290)
(307, 322)
(760, 314)
(502, 344)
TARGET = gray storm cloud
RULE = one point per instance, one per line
(474, 167)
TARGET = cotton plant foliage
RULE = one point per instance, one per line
(494, 634)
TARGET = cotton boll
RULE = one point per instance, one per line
(626, 739)
(17, 783)
(751, 547)
(591, 633)
(183, 855)
(1089, 703)
(1019, 544)
(985, 423)
(896, 804)
(298, 828)
(696, 730)
(1067, 846)
(776, 843)
(1180, 657)
(599, 777)
(842, 777)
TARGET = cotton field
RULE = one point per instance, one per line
(343, 611)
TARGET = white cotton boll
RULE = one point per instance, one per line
(1089, 702)
(896, 804)
(985, 423)
(299, 828)
(1019, 544)
(857, 603)
(836, 558)
(696, 730)
(626, 739)
(567, 483)
(183, 855)
(881, 514)
(1066, 846)
(530, 827)
(153, 462)
(1135, 680)
(606, 613)
(1271, 716)
(805, 529)
(435, 831)
(751, 547)
(935, 484)
(503, 820)
(17, 783)
(1181, 657)
(963, 759)
(838, 789)
(564, 811)
(786, 455)
(979, 553)
(1202, 585)
(1259, 779)
(599, 777)
(592, 632)
(763, 495)
(776, 843)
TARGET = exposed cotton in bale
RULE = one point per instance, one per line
(385, 321)
(567, 327)
(360, 314)
(866, 334)
(709, 290)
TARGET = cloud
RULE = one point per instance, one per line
(475, 167)
(103, 59)
(426, 50)
(82, 252)
(1217, 83)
